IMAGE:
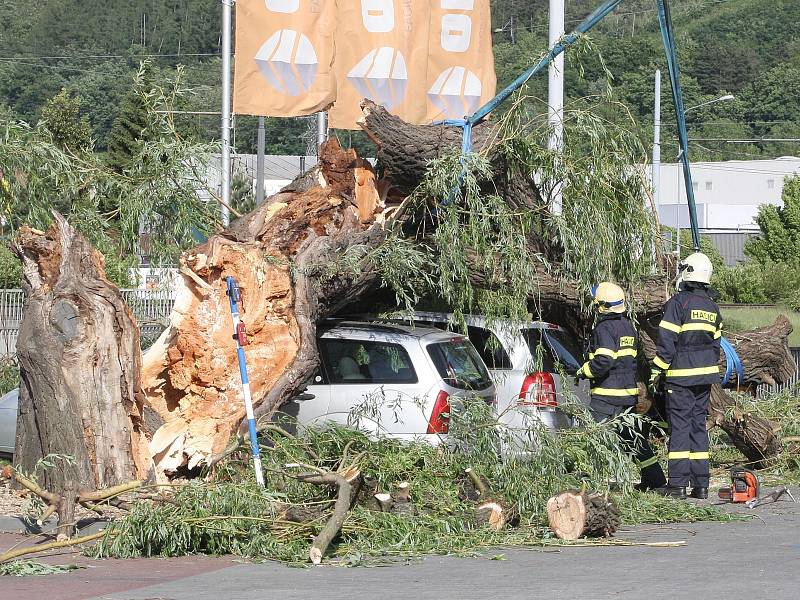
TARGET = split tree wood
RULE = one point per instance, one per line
(574, 514)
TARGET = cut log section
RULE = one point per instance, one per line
(573, 514)
(489, 510)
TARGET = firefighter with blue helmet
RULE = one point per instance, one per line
(687, 358)
(611, 370)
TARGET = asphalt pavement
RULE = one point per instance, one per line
(756, 559)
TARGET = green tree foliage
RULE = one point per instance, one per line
(779, 240)
(10, 268)
(129, 131)
(159, 189)
(62, 119)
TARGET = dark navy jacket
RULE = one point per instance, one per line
(611, 364)
(689, 337)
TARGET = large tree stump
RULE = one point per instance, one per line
(573, 514)
(78, 352)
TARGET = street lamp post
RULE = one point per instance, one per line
(657, 156)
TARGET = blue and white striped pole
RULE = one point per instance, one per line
(238, 336)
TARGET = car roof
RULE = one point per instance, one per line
(476, 320)
(384, 329)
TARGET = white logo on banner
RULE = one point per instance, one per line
(456, 92)
(288, 62)
(282, 6)
(381, 76)
(377, 15)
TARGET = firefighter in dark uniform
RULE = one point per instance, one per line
(687, 357)
(611, 369)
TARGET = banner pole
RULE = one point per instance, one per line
(225, 178)
(260, 162)
(322, 129)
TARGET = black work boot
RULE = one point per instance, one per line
(700, 493)
(669, 491)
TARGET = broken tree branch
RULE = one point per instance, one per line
(53, 545)
(340, 509)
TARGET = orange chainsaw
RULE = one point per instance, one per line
(745, 486)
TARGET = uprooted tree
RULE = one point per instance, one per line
(477, 231)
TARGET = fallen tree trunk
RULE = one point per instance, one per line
(293, 258)
(78, 352)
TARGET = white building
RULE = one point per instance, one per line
(727, 193)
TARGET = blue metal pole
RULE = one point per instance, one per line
(665, 21)
(233, 297)
(589, 22)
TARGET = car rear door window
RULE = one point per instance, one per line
(361, 361)
(489, 348)
(459, 364)
(556, 349)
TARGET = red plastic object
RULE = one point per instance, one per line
(538, 389)
(440, 417)
(241, 334)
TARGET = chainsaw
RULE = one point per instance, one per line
(745, 486)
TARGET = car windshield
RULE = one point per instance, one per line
(556, 346)
(459, 364)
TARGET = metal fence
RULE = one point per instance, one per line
(150, 307)
(793, 385)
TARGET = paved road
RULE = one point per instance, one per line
(756, 559)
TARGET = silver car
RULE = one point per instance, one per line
(528, 363)
(8, 421)
(391, 380)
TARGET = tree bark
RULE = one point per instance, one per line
(79, 358)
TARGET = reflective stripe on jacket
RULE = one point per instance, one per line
(689, 339)
(611, 364)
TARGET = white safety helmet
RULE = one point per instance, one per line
(696, 267)
(608, 298)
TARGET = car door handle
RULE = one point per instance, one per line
(305, 396)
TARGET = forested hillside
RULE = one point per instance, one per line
(745, 47)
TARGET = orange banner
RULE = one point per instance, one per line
(460, 75)
(381, 54)
(284, 57)
(424, 60)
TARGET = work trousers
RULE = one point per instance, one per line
(687, 408)
(634, 441)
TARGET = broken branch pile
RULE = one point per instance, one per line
(335, 495)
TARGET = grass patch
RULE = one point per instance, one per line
(744, 318)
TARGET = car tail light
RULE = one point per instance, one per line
(538, 389)
(440, 417)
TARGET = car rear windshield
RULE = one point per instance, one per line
(460, 365)
(558, 350)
